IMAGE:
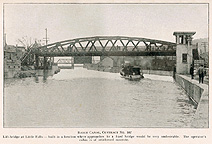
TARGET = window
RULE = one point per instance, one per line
(181, 39)
(184, 58)
(10, 56)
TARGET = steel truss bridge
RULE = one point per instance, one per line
(107, 46)
(65, 61)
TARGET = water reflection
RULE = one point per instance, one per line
(36, 79)
(44, 74)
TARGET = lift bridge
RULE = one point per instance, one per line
(65, 61)
(102, 46)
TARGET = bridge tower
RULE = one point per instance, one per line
(184, 56)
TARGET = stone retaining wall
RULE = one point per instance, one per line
(193, 91)
(198, 93)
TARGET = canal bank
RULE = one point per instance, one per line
(158, 72)
(117, 70)
(31, 72)
(199, 94)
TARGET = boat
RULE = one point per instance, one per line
(131, 73)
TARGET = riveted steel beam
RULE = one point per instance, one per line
(68, 47)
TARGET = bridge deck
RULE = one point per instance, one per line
(118, 53)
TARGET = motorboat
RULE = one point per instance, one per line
(131, 73)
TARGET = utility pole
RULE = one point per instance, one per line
(46, 38)
(45, 59)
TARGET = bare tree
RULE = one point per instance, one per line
(27, 42)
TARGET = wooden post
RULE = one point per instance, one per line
(36, 61)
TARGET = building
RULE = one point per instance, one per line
(12, 62)
(184, 51)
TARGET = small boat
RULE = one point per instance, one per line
(131, 73)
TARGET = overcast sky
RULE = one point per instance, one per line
(68, 21)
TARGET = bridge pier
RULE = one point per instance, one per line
(36, 61)
(45, 63)
(45, 66)
(51, 62)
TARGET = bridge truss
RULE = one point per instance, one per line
(65, 61)
(108, 46)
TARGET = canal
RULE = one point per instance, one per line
(86, 98)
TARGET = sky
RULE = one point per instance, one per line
(69, 21)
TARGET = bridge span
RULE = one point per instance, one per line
(98, 46)
(107, 46)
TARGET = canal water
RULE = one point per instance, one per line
(87, 98)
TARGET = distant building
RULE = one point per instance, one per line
(203, 51)
(107, 62)
(201, 44)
